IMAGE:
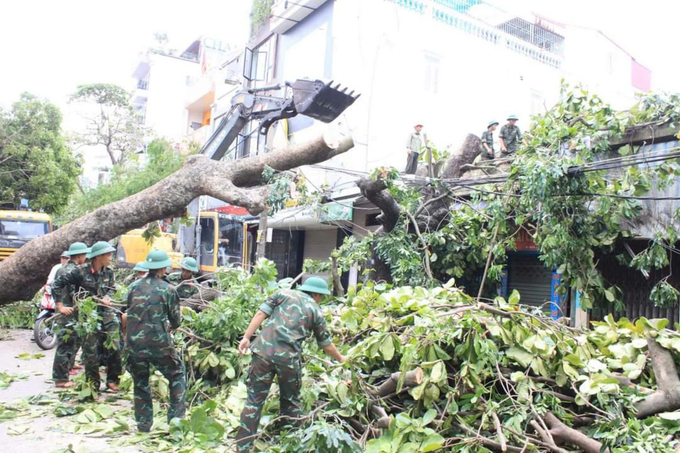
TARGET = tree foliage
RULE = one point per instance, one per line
(570, 214)
(142, 171)
(35, 162)
(110, 121)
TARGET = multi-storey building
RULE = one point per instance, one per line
(451, 65)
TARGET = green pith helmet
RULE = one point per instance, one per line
(139, 267)
(189, 264)
(65, 254)
(156, 259)
(77, 248)
(315, 285)
(100, 248)
(491, 123)
(512, 117)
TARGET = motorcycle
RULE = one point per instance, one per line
(43, 331)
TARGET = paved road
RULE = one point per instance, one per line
(42, 436)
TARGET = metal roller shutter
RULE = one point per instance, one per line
(528, 275)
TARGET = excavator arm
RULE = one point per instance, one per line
(312, 98)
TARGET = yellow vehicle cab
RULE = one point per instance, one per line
(19, 227)
(133, 248)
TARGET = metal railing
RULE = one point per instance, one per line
(143, 84)
(516, 34)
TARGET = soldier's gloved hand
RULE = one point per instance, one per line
(65, 310)
(243, 346)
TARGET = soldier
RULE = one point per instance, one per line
(487, 140)
(96, 279)
(151, 304)
(294, 315)
(185, 283)
(413, 144)
(510, 136)
(140, 272)
(68, 341)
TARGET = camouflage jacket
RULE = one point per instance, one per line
(84, 278)
(293, 316)
(511, 135)
(65, 294)
(152, 304)
(130, 279)
(185, 288)
(487, 137)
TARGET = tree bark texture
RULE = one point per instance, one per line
(667, 397)
(412, 378)
(24, 273)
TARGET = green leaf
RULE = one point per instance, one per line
(521, 356)
(387, 348)
(609, 295)
(438, 371)
(514, 297)
(429, 416)
(433, 442)
(87, 416)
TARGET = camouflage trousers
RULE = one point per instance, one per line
(511, 149)
(103, 346)
(260, 377)
(67, 348)
(172, 368)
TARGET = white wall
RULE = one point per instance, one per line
(600, 65)
(165, 108)
(411, 68)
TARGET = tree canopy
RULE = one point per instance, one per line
(35, 162)
(110, 121)
(161, 161)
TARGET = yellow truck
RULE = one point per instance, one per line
(222, 239)
(19, 227)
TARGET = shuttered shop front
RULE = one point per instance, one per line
(528, 275)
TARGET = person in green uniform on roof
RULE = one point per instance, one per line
(293, 315)
(487, 140)
(510, 136)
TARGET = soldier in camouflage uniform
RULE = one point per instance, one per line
(96, 279)
(510, 136)
(140, 272)
(152, 303)
(68, 341)
(487, 140)
(185, 283)
(293, 316)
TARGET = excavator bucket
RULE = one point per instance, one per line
(319, 100)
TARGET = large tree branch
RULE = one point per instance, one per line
(667, 397)
(562, 434)
(376, 193)
(23, 273)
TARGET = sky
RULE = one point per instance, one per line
(50, 47)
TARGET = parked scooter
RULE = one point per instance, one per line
(43, 331)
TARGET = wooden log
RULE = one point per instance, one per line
(412, 378)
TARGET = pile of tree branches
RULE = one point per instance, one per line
(431, 369)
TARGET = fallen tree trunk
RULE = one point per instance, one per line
(24, 273)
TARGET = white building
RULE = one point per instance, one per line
(452, 65)
(164, 84)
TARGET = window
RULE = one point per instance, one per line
(230, 241)
(19, 229)
(207, 241)
(431, 74)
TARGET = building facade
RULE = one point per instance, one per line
(451, 65)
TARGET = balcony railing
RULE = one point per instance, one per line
(143, 84)
(541, 45)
